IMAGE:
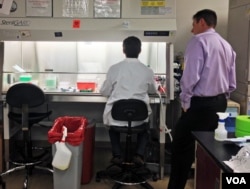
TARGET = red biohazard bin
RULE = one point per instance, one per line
(76, 127)
(80, 131)
(88, 153)
(75, 130)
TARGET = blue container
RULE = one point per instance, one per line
(230, 124)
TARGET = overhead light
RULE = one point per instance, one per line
(18, 68)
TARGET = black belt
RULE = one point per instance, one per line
(223, 95)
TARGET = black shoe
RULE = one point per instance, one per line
(117, 160)
(138, 160)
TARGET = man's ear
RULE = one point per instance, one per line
(203, 22)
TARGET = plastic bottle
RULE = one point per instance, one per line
(62, 155)
(220, 133)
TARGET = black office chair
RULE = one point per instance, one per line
(22, 99)
(128, 173)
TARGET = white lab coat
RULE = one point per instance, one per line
(127, 79)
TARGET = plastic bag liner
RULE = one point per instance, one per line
(75, 126)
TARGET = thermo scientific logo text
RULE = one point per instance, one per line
(15, 22)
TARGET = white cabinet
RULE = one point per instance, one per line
(128, 9)
(149, 20)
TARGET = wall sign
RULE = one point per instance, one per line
(154, 7)
(107, 9)
(75, 8)
(39, 8)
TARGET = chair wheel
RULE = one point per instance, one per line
(3, 185)
(25, 184)
(116, 186)
(98, 176)
(97, 179)
(154, 177)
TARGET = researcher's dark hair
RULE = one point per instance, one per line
(208, 15)
(132, 47)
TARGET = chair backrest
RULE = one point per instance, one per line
(129, 110)
(25, 93)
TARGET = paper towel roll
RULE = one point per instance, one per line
(242, 126)
(240, 133)
(243, 123)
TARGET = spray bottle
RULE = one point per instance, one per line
(221, 133)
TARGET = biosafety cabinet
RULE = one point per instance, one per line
(58, 43)
(83, 36)
(69, 41)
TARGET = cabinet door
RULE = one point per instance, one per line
(207, 174)
(239, 39)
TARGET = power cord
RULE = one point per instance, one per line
(162, 113)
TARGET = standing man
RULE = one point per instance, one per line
(128, 79)
(207, 81)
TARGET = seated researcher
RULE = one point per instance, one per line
(127, 79)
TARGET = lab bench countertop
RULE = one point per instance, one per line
(57, 96)
(218, 150)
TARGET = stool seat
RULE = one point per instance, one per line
(129, 110)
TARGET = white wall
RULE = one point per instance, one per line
(185, 9)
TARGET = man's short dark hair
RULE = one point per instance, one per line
(132, 47)
(208, 15)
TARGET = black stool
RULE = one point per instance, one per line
(128, 173)
(22, 97)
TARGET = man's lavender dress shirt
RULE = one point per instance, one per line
(209, 67)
